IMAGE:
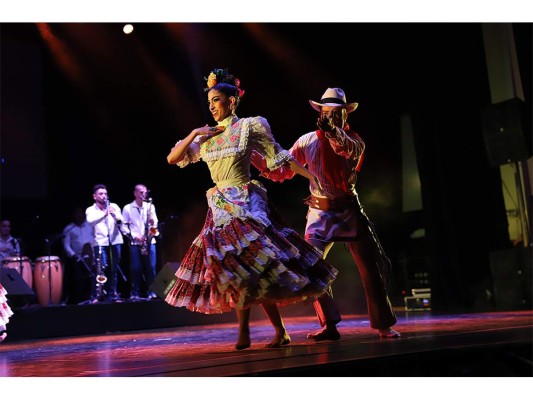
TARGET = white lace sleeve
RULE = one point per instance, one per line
(265, 144)
(192, 154)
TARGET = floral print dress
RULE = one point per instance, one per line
(245, 253)
(5, 310)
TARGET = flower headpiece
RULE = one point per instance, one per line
(219, 75)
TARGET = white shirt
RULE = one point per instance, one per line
(104, 227)
(8, 248)
(135, 218)
(75, 236)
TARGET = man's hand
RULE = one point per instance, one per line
(325, 124)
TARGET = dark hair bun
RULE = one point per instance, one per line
(219, 75)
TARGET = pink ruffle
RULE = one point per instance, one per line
(243, 263)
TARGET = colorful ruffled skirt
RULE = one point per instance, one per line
(247, 254)
(5, 310)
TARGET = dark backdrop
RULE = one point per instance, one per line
(83, 103)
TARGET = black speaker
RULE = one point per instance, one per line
(165, 279)
(505, 132)
(512, 294)
(512, 278)
(18, 291)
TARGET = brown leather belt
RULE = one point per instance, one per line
(338, 204)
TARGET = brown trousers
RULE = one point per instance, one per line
(374, 269)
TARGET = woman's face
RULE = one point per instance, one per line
(220, 105)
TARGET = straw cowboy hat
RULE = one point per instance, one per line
(333, 97)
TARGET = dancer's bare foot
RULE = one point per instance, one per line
(280, 340)
(2, 336)
(242, 345)
(244, 340)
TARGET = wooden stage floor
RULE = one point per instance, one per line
(487, 344)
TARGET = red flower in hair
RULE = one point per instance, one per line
(221, 75)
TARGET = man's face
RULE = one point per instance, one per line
(338, 115)
(140, 192)
(5, 228)
(100, 196)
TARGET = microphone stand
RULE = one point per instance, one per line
(86, 265)
(111, 251)
(48, 245)
(18, 252)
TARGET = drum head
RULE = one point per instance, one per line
(46, 258)
(15, 259)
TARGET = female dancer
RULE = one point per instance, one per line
(245, 254)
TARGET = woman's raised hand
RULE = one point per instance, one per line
(209, 130)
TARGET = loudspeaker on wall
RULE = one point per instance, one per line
(505, 132)
(512, 277)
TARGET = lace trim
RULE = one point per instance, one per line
(280, 159)
(239, 128)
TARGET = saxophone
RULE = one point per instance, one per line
(100, 276)
(149, 230)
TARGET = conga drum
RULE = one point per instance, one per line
(23, 267)
(48, 280)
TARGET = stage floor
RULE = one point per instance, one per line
(489, 344)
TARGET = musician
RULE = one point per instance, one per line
(106, 220)
(78, 278)
(9, 246)
(141, 223)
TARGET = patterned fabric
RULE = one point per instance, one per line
(346, 148)
(243, 262)
(5, 310)
(343, 150)
(228, 144)
(231, 164)
(245, 252)
(335, 158)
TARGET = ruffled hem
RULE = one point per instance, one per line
(5, 310)
(244, 263)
